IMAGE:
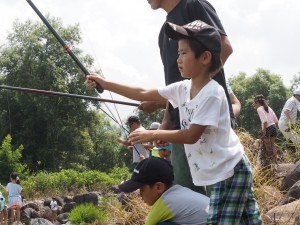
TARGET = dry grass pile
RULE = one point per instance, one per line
(128, 210)
(265, 186)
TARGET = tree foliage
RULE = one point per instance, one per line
(56, 132)
(247, 87)
(10, 160)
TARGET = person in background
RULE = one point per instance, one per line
(3, 210)
(235, 102)
(269, 127)
(182, 12)
(165, 151)
(171, 203)
(139, 152)
(154, 126)
(14, 189)
(53, 206)
(288, 117)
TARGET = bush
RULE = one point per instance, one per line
(86, 213)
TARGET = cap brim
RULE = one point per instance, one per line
(130, 186)
(175, 32)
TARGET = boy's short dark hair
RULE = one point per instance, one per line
(201, 36)
(133, 119)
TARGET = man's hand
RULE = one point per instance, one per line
(152, 106)
(142, 157)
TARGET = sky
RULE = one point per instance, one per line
(122, 36)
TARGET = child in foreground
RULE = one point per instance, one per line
(171, 204)
(215, 155)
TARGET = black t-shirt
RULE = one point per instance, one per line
(185, 12)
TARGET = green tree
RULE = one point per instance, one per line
(148, 118)
(56, 132)
(295, 83)
(10, 160)
(247, 87)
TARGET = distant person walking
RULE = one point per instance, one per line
(14, 196)
(269, 127)
(287, 120)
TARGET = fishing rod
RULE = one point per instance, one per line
(3, 187)
(37, 91)
(99, 88)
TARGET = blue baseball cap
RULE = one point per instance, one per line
(167, 147)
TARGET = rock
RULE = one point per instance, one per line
(292, 177)
(285, 214)
(69, 206)
(293, 194)
(40, 221)
(90, 197)
(63, 218)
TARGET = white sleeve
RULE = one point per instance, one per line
(171, 93)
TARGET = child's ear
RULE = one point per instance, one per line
(206, 57)
(160, 187)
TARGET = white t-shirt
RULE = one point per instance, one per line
(53, 205)
(139, 148)
(292, 105)
(213, 157)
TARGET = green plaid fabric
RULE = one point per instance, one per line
(232, 200)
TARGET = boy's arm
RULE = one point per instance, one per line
(187, 136)
(136, 93)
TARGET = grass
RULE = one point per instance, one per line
(266, 189)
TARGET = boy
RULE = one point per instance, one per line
(173, 204)
(215, 155)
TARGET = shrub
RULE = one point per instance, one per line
(86, 213)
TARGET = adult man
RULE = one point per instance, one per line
(171, 204)
(288, 117)
(181, 12)
(139, 152)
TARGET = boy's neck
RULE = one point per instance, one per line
(197, 83)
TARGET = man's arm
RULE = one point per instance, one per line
(152, 106)
(236, 104)
(226, 48)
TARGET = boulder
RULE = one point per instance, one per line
(63, 218)
(291, 178)
(69, 206)
(40, 221)
(293, 194)
(284, 214)
(90, 197)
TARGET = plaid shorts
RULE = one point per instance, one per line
(232, 200)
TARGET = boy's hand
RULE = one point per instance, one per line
(137, 137)
(93, 78)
